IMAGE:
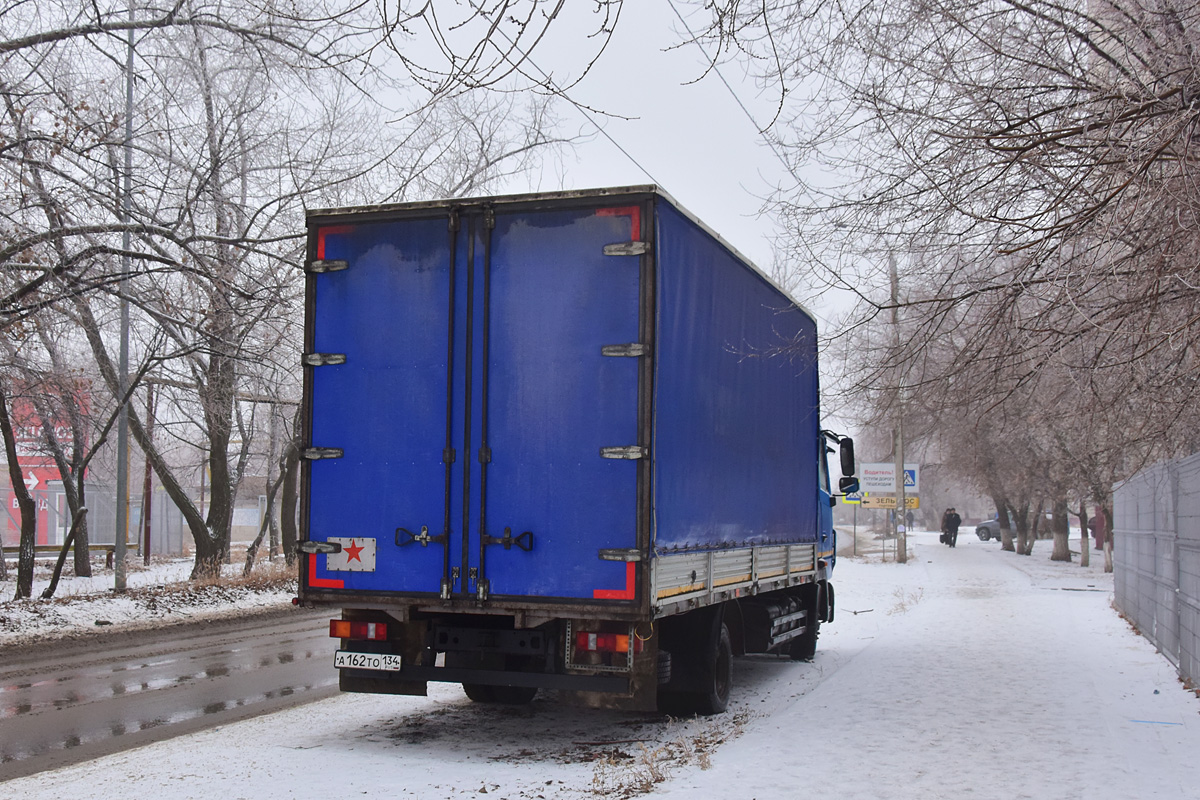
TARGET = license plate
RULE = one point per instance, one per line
(345, 659)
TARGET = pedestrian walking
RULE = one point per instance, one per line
(953, 521)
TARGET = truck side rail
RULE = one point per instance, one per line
(681, 581)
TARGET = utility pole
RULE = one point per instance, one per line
(901, 529)
(122, 531)
(147, 486)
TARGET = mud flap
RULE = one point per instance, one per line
(688, 638)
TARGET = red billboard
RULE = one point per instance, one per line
(38, 470)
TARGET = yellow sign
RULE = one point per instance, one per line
(885, 501)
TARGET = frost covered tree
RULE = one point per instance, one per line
(243, 116)
(1032, 169)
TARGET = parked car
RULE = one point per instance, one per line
(989, 529)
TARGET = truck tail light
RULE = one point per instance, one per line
(588, 642)
(347, 629)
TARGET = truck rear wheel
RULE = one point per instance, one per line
(719, 661)
(479, 692)
(502, 695)
(804, 646)
(701, 663)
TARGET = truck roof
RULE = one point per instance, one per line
(386, 210)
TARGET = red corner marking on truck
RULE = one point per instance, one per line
(635, 217)
(321, 583)
(333, 230)
(619, 594)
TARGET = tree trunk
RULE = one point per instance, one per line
(1108, 535)
(1061, 527)
(1085, 544)
(272, 525)
(212, 550)
(24, 501)
(288, 504)
(81, 546)
(1006, 534)
(1021, 517)
(1032, 535)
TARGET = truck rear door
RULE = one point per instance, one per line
(472, 402)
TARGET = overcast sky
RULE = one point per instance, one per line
(689, 136)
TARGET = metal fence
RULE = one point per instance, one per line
(169, 534)
(1156, 552)
(167, 530)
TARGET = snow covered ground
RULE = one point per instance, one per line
(966, 673)
(156, 595)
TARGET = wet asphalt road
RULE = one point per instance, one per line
(72, 701)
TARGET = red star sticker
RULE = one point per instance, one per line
(352, 552)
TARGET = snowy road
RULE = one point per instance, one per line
(63, 703)
(966, 673)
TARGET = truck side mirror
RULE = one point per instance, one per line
(846, 451)
(848, 485)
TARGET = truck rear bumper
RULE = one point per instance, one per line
(410, 680)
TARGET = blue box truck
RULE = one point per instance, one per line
(566, 441)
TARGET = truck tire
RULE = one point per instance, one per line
(804, 646)
(479, 692)
(719, 663)
(501, 695)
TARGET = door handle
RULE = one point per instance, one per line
(423, 538)
(523, 541)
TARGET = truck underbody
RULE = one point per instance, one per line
(677, 660)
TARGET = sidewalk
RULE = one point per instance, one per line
(869, 543)
(977, 673)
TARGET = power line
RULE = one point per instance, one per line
(713, 65)
(582, 109)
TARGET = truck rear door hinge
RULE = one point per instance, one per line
(627, 249)
(321, 265)
(620, 554)
(315, 548)
(317, 453)
(631, 350)
(322, 359)
(630, 452)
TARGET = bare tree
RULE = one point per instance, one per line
(23, 498)
(1034, 166)
(243, 115)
